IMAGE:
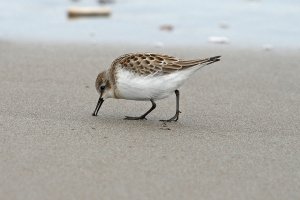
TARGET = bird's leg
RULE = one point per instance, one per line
(144, 115)
(176, 116)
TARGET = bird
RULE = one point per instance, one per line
(146, 77)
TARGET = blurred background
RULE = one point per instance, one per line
(243, 23)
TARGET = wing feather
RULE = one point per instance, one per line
(157, 64)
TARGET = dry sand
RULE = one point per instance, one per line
(238, 136)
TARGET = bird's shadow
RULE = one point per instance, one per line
(152, 124)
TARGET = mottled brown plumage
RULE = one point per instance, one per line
(146, 77)
(156, 64)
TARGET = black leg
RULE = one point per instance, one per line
(144, 115)
(176, 116)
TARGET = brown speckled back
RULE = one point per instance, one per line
(155, 64)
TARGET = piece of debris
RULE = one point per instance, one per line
(106, 1)
(267, 47)
(166, 27)
(224, 25)
(164, 126)
(218, 39)
(159, 44)
(75, 12)
(92, 34)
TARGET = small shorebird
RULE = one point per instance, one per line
(146, 77)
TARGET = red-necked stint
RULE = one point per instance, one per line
(146, 77)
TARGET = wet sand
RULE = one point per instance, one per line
(238, 136)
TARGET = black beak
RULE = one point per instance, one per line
(100, 101)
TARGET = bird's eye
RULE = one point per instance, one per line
(102, 87)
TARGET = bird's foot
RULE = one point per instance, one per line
(135, 118)
(172, 119)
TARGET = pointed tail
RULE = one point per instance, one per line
(204, 62)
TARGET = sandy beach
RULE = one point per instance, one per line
(238, 136)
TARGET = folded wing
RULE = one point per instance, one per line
(156, 64)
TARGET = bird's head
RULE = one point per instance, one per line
(102, 85)
(104, 89)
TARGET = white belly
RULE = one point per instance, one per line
(143, 88)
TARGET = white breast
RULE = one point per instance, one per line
(135, 87)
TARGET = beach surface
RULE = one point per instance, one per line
(238, 136)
